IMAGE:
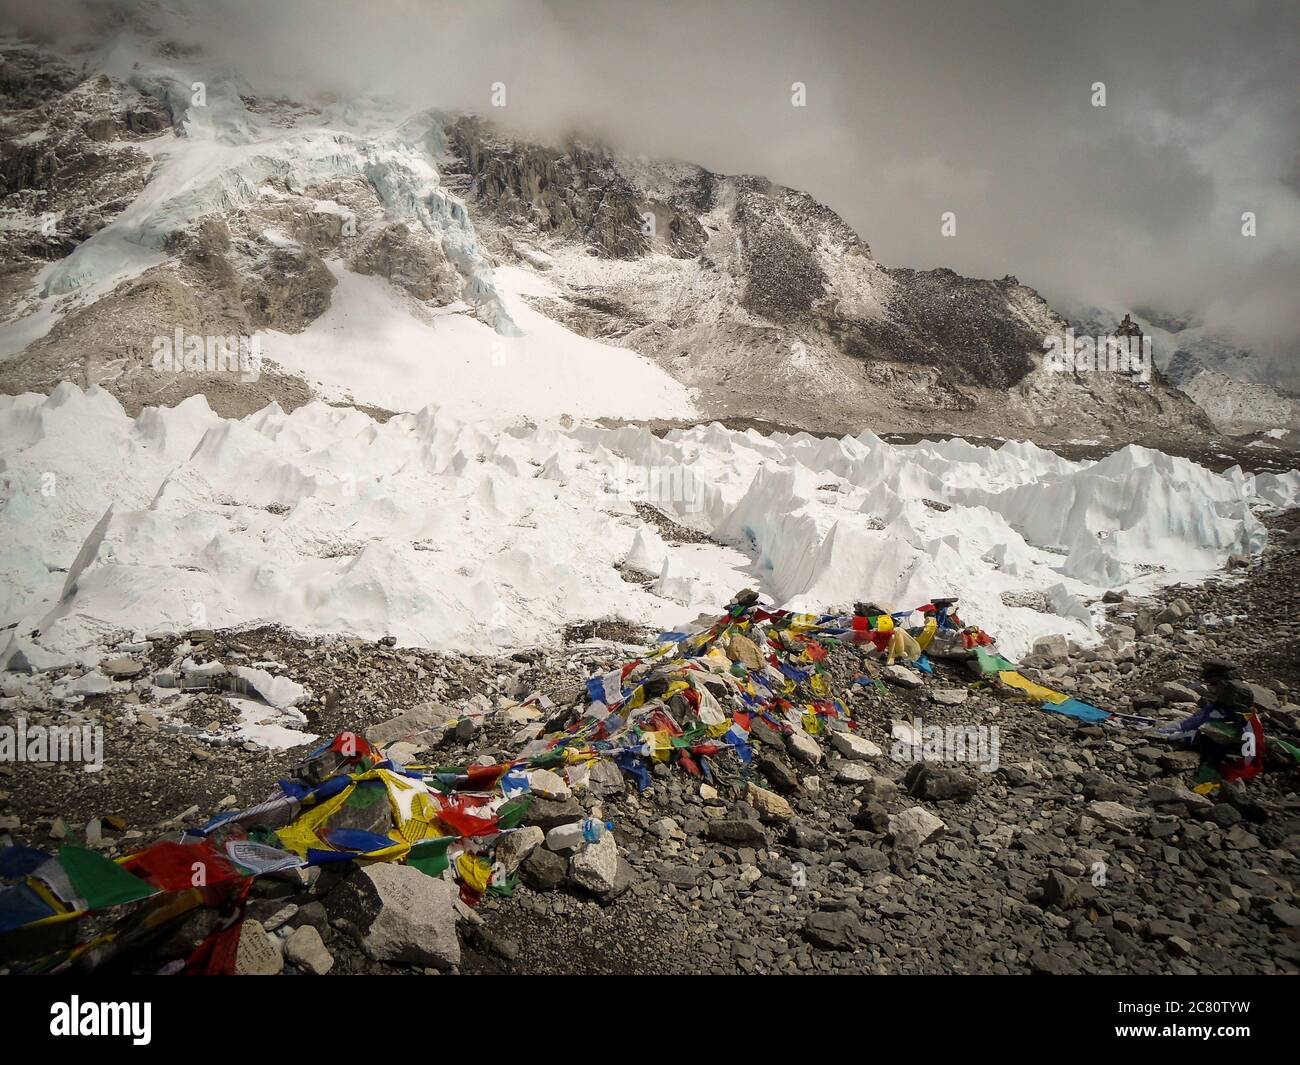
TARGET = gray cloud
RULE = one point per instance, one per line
(914, 108)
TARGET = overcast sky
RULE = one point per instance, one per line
(913, 108)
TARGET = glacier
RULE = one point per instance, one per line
(466, 535)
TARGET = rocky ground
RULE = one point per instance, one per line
(1083, 852)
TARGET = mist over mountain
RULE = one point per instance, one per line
(1138, 203)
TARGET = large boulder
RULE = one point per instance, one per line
(308, 952)
(423, 719)
(854, 747)
(513, 847)
(770, 806)
(804, 747)
(742, 833)
(398, 914)
(595, 866)
(915, 826)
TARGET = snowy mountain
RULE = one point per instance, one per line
(393, 259)
(1241, 390)
(350, 367)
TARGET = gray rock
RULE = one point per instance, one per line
(543, 870)
(738, 833)
(595, 866)
(832, 929)
(398, 914)
(854, 747)
(938, 783)
(778, 774)
(901, 676)
(547, 814)
(305, 949)
(1059, 890)
(513, 847)
(915, 825)
(804, 747)
(424, 719)
(866, 859)
(1174, 692)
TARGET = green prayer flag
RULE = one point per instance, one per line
(99, 881)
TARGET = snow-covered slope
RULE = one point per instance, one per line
(325, 233)
(1242, 407)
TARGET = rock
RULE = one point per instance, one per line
(770, 806)
(422, 719)
(502, 946)
(681, 875)
(873, 817)
(852, 773)
(1059, 890)
(513, 847)
(305, 949)
(1115, 815)
(258, 953)
(738, 833)
(122, 668)
(866, 859)
(543, 870)
(901, 676)
(398, 914)
(854, 747)
(1224, 816)
(938, 783)
(605, 777)
(804, 838)
(1285, 915)
(777, 773)
(282, 916)
(412, 261)
(595, 866)
(1163, 795)
(1265, 698)
(832, 929)
(1173, 692)
(761, 732)
(804, 747)
(312, 913)
(742, 649)
(949, 696)
(546, 814)
(547, 785)
(624, 878)
(1180, 761)
(915, 826)
(1056, 646)
(1049, 963)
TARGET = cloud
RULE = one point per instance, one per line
(912, 109)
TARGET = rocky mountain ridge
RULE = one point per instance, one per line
(242, 213)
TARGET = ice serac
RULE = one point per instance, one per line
(444, 535)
